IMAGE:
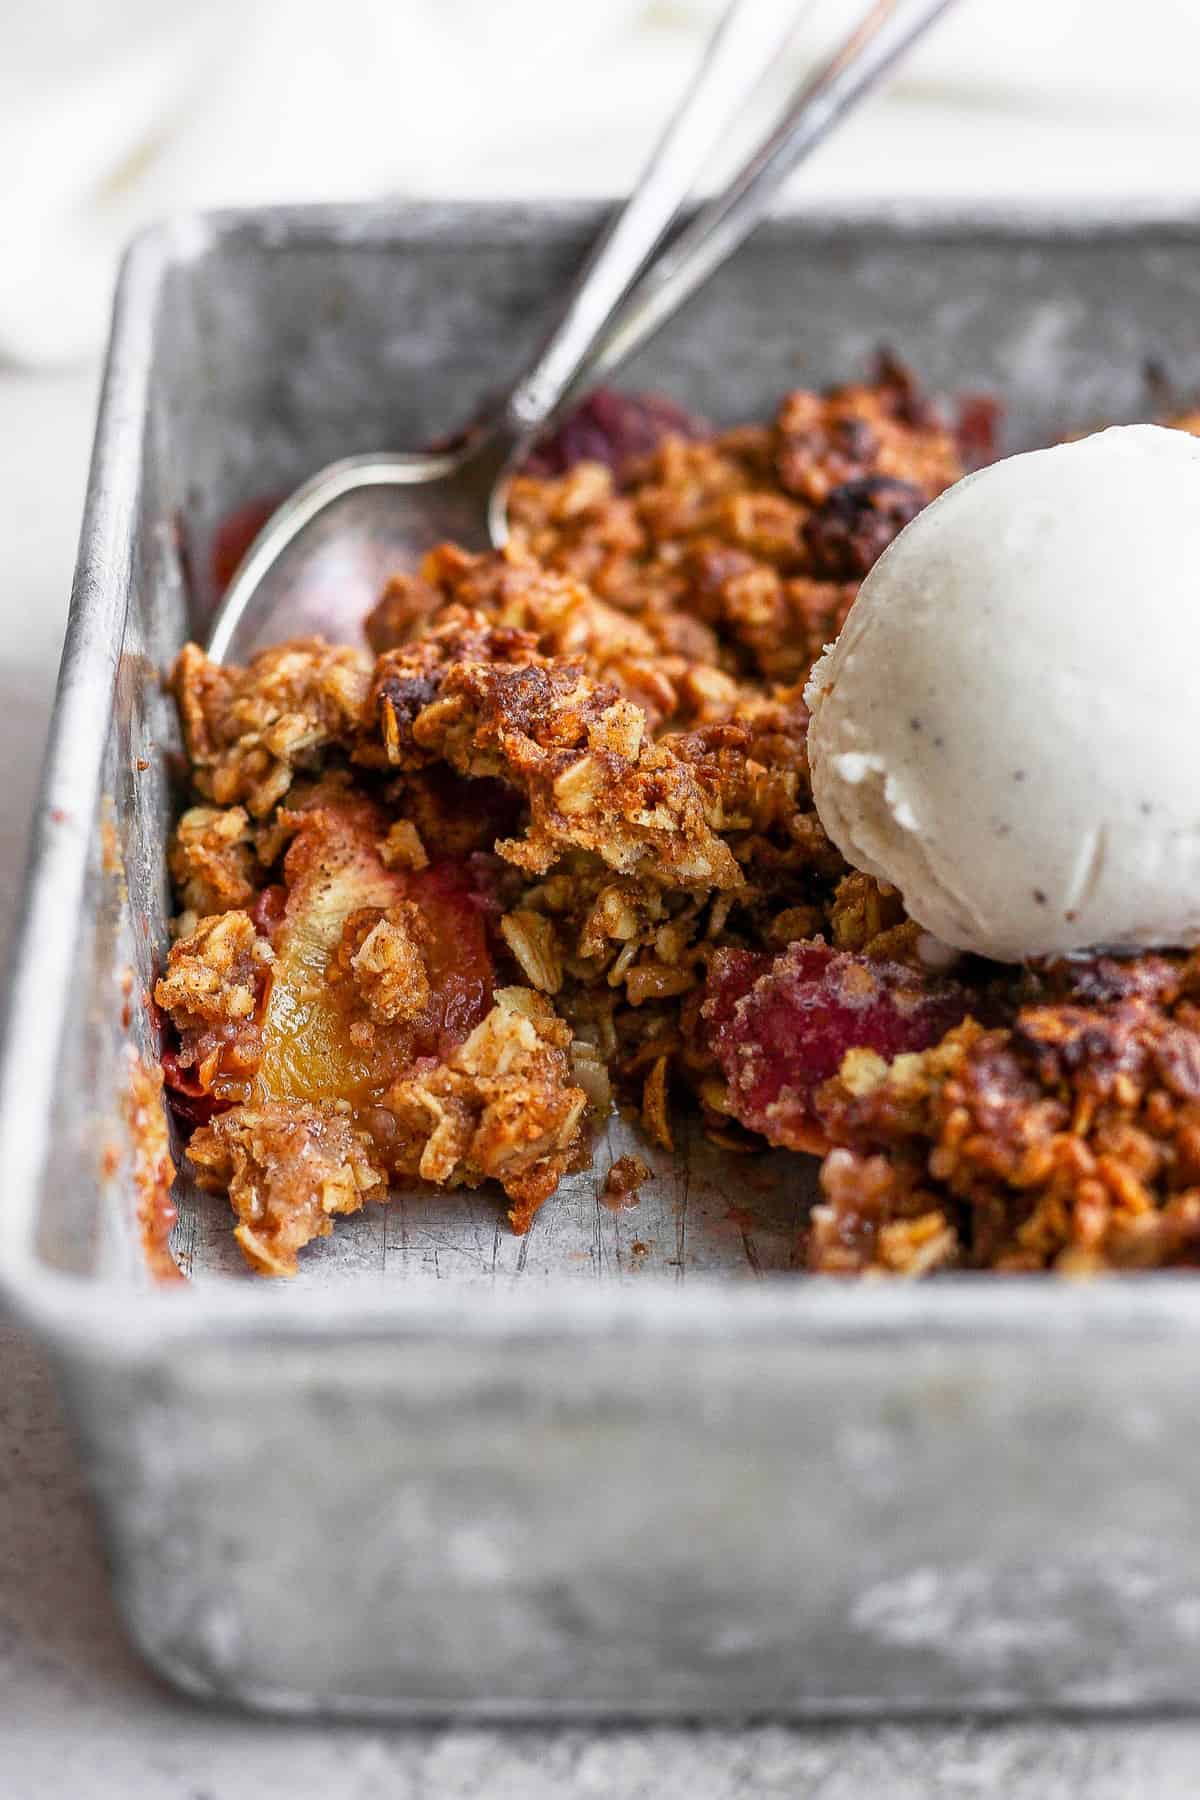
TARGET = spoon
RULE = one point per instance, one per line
(340, 534)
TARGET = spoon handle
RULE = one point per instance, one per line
(716, 230)
(611, 311)
(748, 38)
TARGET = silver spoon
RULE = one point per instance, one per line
(343, 531)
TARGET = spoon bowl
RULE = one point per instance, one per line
(323, 557)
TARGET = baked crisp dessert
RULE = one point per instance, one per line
(550, 842)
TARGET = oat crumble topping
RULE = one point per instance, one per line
(550, 842)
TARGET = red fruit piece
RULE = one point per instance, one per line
(980, 417)
(234, 536)
(461, 971)
(188, 1100)
(780, 1026)
(268, 911)
(610, 428)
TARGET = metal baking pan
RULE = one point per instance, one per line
(447, 1470)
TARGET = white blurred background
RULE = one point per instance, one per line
(115, 112)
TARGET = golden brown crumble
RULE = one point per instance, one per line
(289, 1168)
(214, 973)
(760, 534)
(623, 1180)
(212, 861)
(246, 731)
(484, 701)
(503, 1107)
(381, 952)
(1069, 1139)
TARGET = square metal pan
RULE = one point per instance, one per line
(449, 1471)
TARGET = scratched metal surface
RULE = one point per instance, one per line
(701, 1213)
(633, 1463)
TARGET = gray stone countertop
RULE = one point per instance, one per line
(81, 1718)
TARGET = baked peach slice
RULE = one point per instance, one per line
(376, 968)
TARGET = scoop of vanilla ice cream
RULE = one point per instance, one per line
(1008, 727)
